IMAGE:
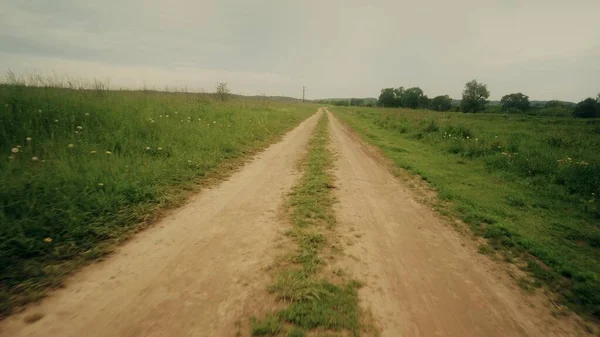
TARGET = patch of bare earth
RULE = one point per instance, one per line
(200, 271)
(421, 277)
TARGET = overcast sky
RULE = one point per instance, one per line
(547, 49)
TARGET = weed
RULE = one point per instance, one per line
(269, 326)
(527, 189)
(81, 170)
(313, 301)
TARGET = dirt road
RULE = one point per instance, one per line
(420, 279)
(202, 268)
(194, 274)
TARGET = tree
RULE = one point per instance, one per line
(474, 96)
(441, 103)
(223, 91)
(357, 101)
(554, 104)
(424, 102)
(399, 92)
(413, 98)
(387, 98)
(515, 101)
(588, 108)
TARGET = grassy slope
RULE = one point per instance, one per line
(315, 300)
(512, 181)
(106, 162)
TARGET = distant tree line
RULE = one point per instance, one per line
(368, 102)
(475, 98)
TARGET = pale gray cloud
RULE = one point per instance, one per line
(544, 48)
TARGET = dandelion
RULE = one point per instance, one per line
(108, 152)
(467, 137)
(214, 122)
(189, 161)
(15, 150)
(34, 158)
(43, 160)
(79, 127)
(28, 139)
(92, 152)
(159, 148)
(176, 112)
(189, 117)
(70, 145)
(39, 111)
(159, 116)
(147, 147)
(167, 116)
(199, 119)
(568, 158)
(100, 184)
(76, 132)
(56, 121)
(48, 240)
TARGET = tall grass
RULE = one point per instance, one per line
(528, 184)
(81, 168)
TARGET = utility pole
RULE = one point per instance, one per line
(303, 89)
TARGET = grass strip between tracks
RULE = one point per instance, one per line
(315, 302)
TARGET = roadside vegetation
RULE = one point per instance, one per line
(529, 185)
(315, 301)
(81, 169)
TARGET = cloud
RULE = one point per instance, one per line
(547, 49)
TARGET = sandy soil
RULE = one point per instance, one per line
(421, 277)
(196, 273)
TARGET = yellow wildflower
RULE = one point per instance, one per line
(48, 240)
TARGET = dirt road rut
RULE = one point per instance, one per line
(190, 275)
(420, 279)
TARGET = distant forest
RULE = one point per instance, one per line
(474, 100)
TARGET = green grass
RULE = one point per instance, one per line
(313, 300)
(530, 185)
(81, 169)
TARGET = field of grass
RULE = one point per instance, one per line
(83, 168)
(316, 302)
(528, 184)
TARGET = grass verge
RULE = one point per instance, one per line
(315, 304)
(83, 169)
(530, 191)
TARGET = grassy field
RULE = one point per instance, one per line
(316, 302)
(83, 168)
(530, 185)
